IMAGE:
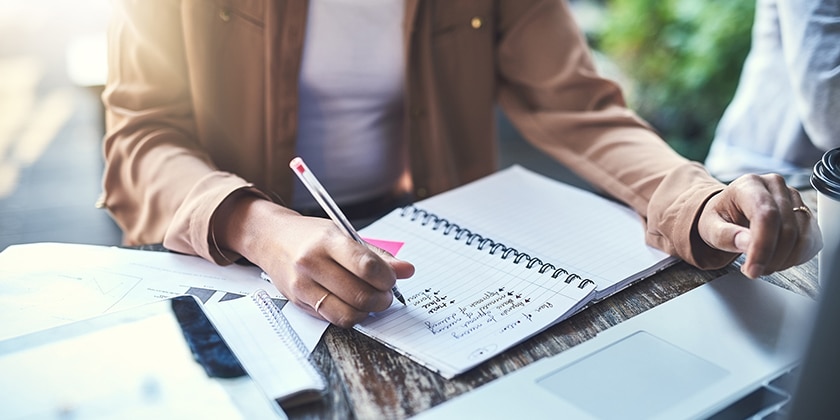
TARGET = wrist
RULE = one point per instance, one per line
(240, 222)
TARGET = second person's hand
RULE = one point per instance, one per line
(763, 218)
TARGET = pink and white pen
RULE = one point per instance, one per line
(330, 207)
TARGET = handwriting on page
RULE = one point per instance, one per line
(470, 317)
(463, 304)
(482, 311)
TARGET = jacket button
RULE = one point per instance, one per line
(476, 22)
(224, 15)
(421, 192)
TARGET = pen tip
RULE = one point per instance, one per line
(400, 298)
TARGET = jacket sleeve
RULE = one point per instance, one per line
(552, 93)
(159, 185)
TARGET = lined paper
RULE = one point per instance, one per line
(467, 302)
(585, 233)
(463, 305)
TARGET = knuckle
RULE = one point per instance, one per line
(347, 319)
(303, 260)
(334, 238)
(749, 179)
(371, 301)
(774, 179)
(361, 299)
(376, 272)
(767, 212)
(369, 266)
(304, 273)
(790, 232)
(296, 292)
(295, 285)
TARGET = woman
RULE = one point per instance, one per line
(208, 102)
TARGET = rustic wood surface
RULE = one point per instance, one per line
(369, 381)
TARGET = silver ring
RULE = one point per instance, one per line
(319, 302)
(803, 209)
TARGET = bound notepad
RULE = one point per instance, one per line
(269, 349)
(501, 259)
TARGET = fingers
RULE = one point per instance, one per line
(308, 258)
(755, 215)
(798, 237)
(331, 276)
(322, 303)
(366, 284)
(354, 280)
(721, 230)
(344, 300)
(773, 230)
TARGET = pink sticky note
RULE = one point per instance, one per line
(391, 246)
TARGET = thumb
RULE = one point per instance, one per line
(402, 269)
(726, 236)
(734, 238)
(742, 240)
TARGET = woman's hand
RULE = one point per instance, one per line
(763, 218)
(310, 260)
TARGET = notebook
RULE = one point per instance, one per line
(728, 349)
(269, 348)
(501, 259)
(158, 360)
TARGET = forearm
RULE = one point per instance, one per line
(564, 107)
(148, 121)
(145, 181)
(159, 183)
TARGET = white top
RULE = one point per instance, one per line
(350, 129)
(786, 111)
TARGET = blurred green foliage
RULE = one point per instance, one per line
(684, 58)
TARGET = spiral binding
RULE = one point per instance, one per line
(471, 238)
(284, 330)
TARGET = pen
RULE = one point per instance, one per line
(328, 204)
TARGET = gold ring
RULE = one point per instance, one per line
(803, 209)
(319, 302)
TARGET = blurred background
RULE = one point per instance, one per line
(51, 71)
(678, 61)
(682, 59)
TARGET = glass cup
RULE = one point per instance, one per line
(826, 181)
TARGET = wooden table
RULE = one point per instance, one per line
(368, 381)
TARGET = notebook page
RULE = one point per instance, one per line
(464, 305)
(569, 227)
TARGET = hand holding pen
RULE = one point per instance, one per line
(331, 208)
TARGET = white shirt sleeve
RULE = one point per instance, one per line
(811, 44)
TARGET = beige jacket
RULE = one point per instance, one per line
(201, 101)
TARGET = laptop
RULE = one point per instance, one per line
(731, 348)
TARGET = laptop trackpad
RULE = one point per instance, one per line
(639, 376)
